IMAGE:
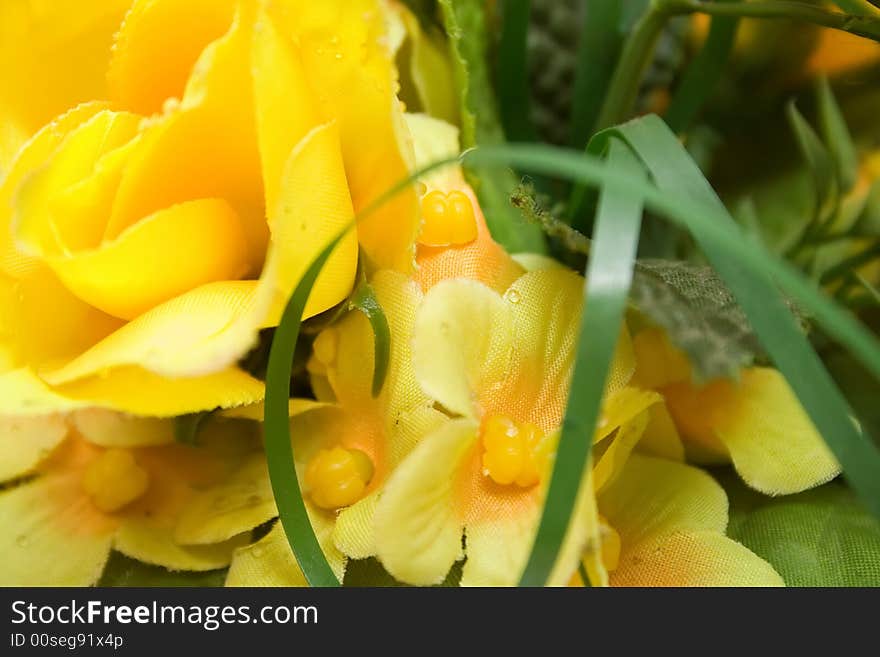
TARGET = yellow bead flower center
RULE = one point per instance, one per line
(338, 477)
(514, 452)
(115, 479)
(447, 219)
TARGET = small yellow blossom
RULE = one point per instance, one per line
(663, 524)
(755, 423)
(99, 480)
(501, 364)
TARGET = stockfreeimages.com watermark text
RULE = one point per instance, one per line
(209, 617)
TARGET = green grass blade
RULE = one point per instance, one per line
(365, 301)
(836, 135)
(609, 275)
(512, 71)
(598, 50)
(702, 75)
(279, 449)
(819, 160)
(690, 209)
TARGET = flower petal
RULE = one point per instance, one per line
(350, 72)
(241, 502)
(418, 532)
(203, 147)
(23, 393)
(772, 442)
(112, 429)
(268, 562)
(26, 440)
(157, 46)
(497, 548)
(211, 326)
(462, 344)
(52, 535)
(618, 449)
(154, 543)
(653, 498)
(56, 56)
(176, 249)
(698, 558)
(354, 533)
(351, 372)
(137, 391)
(661, 437)
(546, 307)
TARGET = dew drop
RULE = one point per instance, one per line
(513, 296)
(21, 540)
(257, 551)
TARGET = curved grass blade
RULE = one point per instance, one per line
(279, 449)
(609, 275)
(512, 71)
(702, 75)
(365, 301)
(691, 209)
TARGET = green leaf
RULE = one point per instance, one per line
(700, 315)
(609, 274)
(124, 571)
(512, 71)
(365, 301)
(187, 427)
(823, 537)
(836, 136)
(466, 26)
(279, 449)
(820, 163)
(703, 74)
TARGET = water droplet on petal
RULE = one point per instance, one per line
(257, 551)
(21, 540)
(513, 296)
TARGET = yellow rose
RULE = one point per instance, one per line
(205, 153)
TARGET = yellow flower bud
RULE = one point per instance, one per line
(514, 452)
(447, 219)
(338, 477)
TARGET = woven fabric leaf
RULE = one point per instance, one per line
(699, 313)
(822, 537)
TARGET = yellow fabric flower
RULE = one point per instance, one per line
(100, 480)
(502, 364)
(147, 234)
(664, 525)
(345, 450)
(755, 423)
